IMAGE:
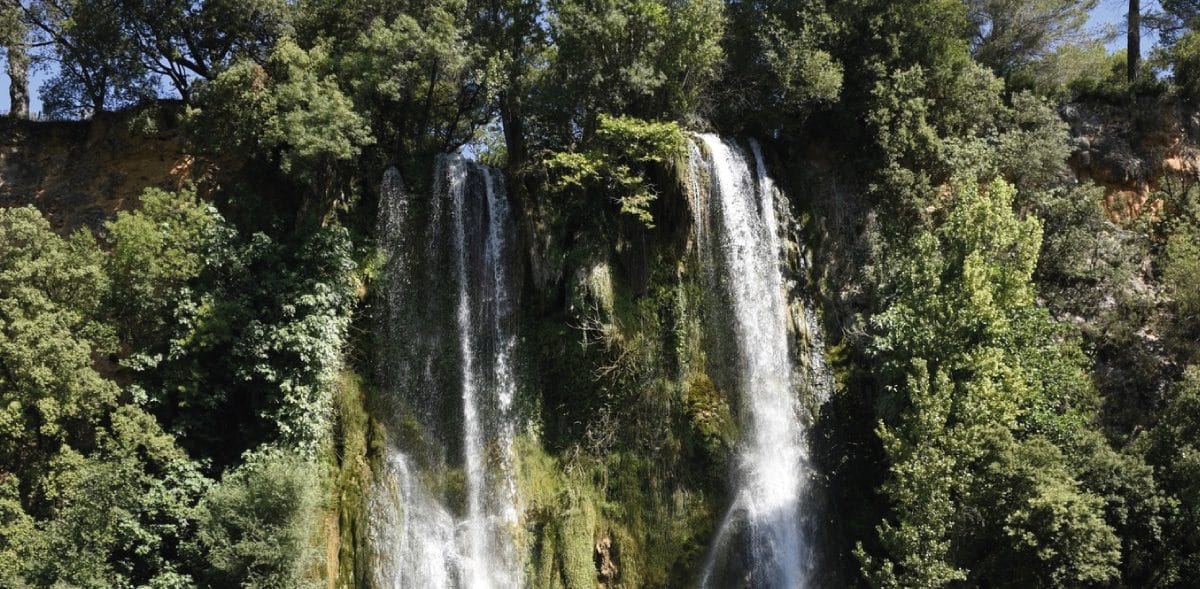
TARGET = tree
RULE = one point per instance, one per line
(157, 254)
(619, 160)
(254, 526)
(50, 393)
(92, 492)
(418, 80)
(182, 40)
(514, 31)
(980, 390)
(99, 68)
(51, 398)
(1180, 273)
(121, 511)
(649, 59)
(1133, 49)
(290, 114)
(1009, 35)
(14, 35)
(779, 68)
(1172, 446)
(1176, 19)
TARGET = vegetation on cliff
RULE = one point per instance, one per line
(187, 393)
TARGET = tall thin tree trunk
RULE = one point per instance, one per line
(514, 127)
(1133, 58)
(18, 76)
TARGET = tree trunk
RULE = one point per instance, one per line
(18, 76)
(514, 128)
(1133, 57)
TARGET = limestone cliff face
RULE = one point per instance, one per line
(1135, 151)
(79, 173)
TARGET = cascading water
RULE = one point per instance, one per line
(764, 539)
(468, 259)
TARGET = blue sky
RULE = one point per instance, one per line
(1108, 12)
(1113, 12)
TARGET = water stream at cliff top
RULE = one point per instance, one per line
(764, 539)
(447, 333)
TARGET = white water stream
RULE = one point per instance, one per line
(762, 540)
(420, 543)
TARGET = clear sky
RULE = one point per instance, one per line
(1112, 12)
(1108, 12)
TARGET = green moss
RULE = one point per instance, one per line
(840, 363)
(547, 570)
(455, 489)
(538, 478)
(347, 458)
(709, 413)
(576, 536)
(636, 438)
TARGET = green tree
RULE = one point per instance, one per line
(256, 346)
(1180, 273)
(158, 252)
(513, 32)
(255, 525)
(418, 80)
(94, 493)
(980, 387)
(121, 511)
(619, 162)
(1013, 34)
(291, 115)
(1177, 18)
(98, 68)
(18, 535)
(182, 40)
(1172, 446)
(1184, 57)
(14, 40)
(778, 68)
(649, 59)
(1049, 531)
(50, 393)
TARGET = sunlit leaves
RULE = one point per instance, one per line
(618, 161)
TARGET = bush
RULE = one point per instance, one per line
(254, 527)
(1184, 58)
(619, 162)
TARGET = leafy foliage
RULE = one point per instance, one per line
(1171, 448)
(97, 69)
(53, 397)
(982, 397)
(618, 162)
(1026, 362)
(157, 254)
(645, 58)
(290, 112)
(254, 526)
(418, 80)
(784, 67)
(94, 492)
(1013, 34)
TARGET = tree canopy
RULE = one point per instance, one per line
(186, 386)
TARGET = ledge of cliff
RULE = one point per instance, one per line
(1136, 151)
(80, 173)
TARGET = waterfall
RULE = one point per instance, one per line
(764, 539)
(447, 328)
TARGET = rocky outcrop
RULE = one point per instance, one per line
(80, 173)
(1135, 151)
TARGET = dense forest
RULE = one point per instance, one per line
(617, 293)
